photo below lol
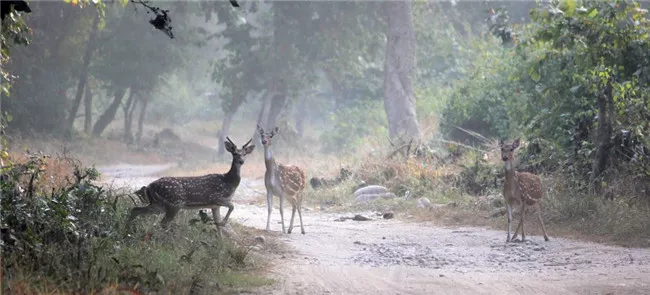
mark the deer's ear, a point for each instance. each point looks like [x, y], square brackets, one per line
[249, 149]
[231, 148]
[276, 130]
[501, 143]
[515, 144]
[260, 130]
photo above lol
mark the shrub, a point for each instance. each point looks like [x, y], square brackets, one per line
[72, 238]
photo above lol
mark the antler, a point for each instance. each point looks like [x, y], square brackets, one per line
[260, 130]
[228, 138]
[249, 141]
[275, 131]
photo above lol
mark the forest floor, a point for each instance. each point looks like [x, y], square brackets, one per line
[394, 256]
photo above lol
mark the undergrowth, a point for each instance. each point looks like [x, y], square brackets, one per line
[468, 190]
[67, 234]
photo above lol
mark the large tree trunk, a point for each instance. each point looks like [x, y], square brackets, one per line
[128, 109]
[337, 87]
[143, 110]
[603, 138]
[301, 114]
[83, 77]
[276, 93]
[88, 111]
[107, 117]
[399, 69]
[225, 126]
[261, 118]
[278, 101]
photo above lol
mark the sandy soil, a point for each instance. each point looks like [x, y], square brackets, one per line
[395, 257]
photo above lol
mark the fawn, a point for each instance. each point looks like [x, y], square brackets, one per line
[520, 188]
[170, 194]
[284, 181]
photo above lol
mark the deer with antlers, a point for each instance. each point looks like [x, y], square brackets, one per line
[520, 188]
[284, 181]
[171, 194]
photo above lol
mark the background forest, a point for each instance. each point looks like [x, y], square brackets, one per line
[411, 95]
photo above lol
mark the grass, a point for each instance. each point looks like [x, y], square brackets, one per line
[71, 236]
[566, 212]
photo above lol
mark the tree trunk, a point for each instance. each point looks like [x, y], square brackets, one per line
[88, 111]
[128, 117]
[278, 102]
[83, 77]
[225, 128]
[603, 139]
[143, 111]
[301, 113]
[399, 69]
[230, 111]
[107, 117]
[261, 118]
[337, 87]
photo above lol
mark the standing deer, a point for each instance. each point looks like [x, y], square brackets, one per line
[284, 181]
[520, 188]
[170, 194]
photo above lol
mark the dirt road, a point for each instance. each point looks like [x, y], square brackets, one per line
[394, 257]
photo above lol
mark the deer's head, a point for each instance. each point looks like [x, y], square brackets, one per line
[507, 150]
[266, 136]
[238, 155]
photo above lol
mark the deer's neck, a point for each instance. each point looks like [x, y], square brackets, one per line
[269, 161]
[233, 176]
[510, 178]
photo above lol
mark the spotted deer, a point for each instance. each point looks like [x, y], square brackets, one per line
[520, 188]
[284, 181]
[171, 194]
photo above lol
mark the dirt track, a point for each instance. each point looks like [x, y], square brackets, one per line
[395, 257]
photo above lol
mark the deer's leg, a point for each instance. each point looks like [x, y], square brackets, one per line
[282, 212]
[269, 205]
[514, 237]
[170, 213]
[216, 216]
[509, 206]
[293, 214]
[225, 219]
[302, 228]
[539, 216]
[521, 223]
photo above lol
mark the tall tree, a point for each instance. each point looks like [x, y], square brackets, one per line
[399, 71]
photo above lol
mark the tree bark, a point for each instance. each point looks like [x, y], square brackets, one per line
[337, 87]
[261, 118]
[225, 126]
[399, 69]
[88, 111]
[128, 117]
[603, 139]
[83, 77]
[108, 115]
[278, 101]
[143, 110]
[301, 113]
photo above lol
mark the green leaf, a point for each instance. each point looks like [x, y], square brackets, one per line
[568, 7]
[593, 13]
[124, 2]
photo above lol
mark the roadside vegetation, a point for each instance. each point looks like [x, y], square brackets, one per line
[96, 85]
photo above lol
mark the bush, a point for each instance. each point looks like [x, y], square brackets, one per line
[73, 238]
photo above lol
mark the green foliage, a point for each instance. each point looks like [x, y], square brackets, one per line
[74, 237]
[351, 125]
[487, 100]
[547, 86]
[571, 58]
